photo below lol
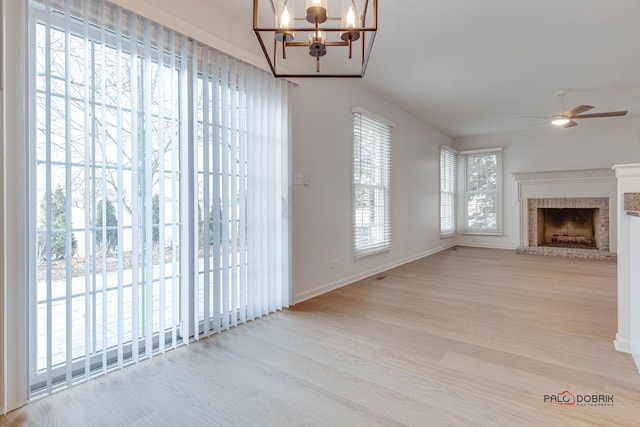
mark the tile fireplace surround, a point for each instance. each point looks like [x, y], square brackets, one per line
[590, 188]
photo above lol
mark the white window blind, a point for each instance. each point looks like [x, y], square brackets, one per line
[483, 191]
[448, 174]
[159, 175]
[371, 184]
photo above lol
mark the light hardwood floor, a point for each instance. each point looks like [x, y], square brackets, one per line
[464, 337]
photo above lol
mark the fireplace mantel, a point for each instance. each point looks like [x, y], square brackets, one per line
[567, 176]
[570, 175]
[572, 186]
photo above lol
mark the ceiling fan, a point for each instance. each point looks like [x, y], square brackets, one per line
[569, 117]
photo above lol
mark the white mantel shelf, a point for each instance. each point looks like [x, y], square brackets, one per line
[567, 178]
[629, 170]
[564, 176]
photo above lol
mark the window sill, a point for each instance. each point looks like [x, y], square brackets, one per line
[371, 253]
[482, 233]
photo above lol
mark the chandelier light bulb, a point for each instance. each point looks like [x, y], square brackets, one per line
[349, 21]
[351, 18]
[285, 19]
[284, 34]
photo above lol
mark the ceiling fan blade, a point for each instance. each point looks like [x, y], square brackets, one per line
[595, 115]
[570, 124]
[577, 110]
[531, 117]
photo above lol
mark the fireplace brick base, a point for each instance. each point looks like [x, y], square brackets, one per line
[592, 254]
[602, 229]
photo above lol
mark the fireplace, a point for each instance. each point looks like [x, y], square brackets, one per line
[574, 227]
[566, 213]
[568, 227]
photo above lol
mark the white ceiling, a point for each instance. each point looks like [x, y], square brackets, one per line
[468, 66]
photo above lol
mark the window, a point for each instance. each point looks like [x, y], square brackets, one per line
[483, 191]
[159, 177]
[448, 163]
[371, 184]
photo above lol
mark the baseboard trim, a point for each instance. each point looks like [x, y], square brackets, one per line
[498, 246]
[622, 345]
[363, 275]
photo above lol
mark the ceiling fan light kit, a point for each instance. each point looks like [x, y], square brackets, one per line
[295, 34]
[560, 120]
[567, 119]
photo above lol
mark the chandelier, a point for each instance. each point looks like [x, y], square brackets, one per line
[316, 38]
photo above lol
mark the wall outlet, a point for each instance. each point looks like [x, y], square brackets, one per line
[334, 264]
[298, 178]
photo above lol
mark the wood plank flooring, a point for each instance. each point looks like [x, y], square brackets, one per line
[464, 337]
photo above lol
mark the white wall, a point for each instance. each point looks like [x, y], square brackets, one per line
[321, 125]
[322, 140]
[597, 143]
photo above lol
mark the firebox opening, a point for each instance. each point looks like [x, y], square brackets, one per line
[568, 227]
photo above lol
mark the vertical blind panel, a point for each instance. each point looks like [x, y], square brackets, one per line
[448, 174]
[159, 219]
[251, 197]
[100, 191]
[242, 194]
[69, 241]
[147, 230]
[194, 296]
[135, 198]
[87, 151]
[224, 187]
[216, 200]
[186, 146]
[174, 178]
[371, 185]
[48, 220]
[233, 177]
[161, 191]
[205, 182]
[119, 232]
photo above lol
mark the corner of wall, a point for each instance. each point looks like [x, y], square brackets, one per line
[323, 289]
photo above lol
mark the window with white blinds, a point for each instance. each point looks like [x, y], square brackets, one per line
[371, 185]
[159, 175]
[448, 174]
[483, 191]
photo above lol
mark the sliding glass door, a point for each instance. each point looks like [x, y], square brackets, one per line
[158, 186]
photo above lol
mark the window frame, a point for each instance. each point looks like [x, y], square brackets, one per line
[383, 244]
[465, 192]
